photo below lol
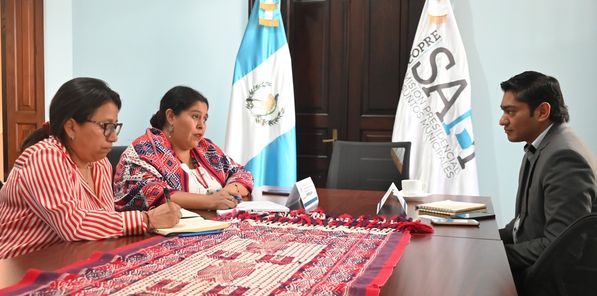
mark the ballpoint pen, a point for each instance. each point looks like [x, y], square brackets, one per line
[167, 194]
[238, 198]
[202, 233]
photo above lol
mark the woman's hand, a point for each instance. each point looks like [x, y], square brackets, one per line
[236, 189]
[164, 216]
[222, 200]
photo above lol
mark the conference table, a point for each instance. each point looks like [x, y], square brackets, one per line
[454, 260]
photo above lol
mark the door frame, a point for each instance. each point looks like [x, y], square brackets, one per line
[22, 91]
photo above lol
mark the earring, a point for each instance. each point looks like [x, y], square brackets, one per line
[170, 130]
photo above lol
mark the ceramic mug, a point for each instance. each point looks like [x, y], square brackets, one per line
[412, 187]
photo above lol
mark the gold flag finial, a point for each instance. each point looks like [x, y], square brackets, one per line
[438, 11]
[268, 13]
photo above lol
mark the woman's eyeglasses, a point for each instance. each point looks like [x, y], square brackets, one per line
[108, 127]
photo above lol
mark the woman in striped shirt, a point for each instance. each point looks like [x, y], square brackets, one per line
[60, 188]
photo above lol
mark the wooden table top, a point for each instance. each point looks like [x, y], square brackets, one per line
[443, 265]
[357, 202]
[454, 260]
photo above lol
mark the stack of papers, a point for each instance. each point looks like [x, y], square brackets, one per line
[259, 206]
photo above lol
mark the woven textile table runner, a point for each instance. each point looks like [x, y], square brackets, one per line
[291, 254]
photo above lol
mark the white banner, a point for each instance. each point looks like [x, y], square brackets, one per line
[434, 111]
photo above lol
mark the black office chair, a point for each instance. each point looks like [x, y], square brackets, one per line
[568, 266]
[368, 165]
[114, 156]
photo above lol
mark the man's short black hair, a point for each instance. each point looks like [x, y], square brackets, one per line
[535, 88]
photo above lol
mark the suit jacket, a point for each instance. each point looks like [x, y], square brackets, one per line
[561, 189]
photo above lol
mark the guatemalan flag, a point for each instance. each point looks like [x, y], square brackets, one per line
[434, 111]
[261, 131]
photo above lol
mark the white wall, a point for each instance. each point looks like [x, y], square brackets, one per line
[506, 37]
[144, 47]
[58, 46]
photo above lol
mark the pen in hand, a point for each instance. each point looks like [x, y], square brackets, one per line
[167, 197]
[237, 198]
[167, 194]
[165, 215]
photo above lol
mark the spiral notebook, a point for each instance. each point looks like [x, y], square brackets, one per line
[450, 207]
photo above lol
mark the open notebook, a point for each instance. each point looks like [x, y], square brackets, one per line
[190, 223]
[450, 207]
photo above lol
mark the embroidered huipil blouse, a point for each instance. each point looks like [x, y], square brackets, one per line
[149, 165]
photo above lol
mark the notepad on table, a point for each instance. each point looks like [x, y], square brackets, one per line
[450, 207]
[190, 225]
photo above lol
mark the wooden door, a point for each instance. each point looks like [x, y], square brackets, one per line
[23, 74]
[349, 59]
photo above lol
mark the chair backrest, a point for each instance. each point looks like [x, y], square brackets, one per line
[368, 165]
[568, 266]
[114, 156]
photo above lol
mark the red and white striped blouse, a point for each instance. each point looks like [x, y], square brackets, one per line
[46, 200]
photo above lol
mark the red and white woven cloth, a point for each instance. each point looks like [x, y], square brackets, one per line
[290, 254]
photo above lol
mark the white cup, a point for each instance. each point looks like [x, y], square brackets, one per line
[412, 187]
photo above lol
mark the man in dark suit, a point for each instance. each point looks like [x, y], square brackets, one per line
[557, 177]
